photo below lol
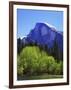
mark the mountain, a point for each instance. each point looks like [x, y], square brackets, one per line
[46, 35]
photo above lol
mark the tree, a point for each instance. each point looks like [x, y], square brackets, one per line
[19, 45]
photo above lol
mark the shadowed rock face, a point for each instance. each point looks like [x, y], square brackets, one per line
[46, 35]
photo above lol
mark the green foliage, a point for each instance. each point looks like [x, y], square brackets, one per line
[20, 67]
[33, 61]
[59, 68]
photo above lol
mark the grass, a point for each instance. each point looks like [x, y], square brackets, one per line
[36, 77]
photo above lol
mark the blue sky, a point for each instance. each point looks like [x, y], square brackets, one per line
[27, 18]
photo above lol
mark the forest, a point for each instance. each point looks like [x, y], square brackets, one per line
[38, 62]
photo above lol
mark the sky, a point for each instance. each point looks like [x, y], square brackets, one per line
[27, 19]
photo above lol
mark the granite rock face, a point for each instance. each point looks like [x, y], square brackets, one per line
[45, 34]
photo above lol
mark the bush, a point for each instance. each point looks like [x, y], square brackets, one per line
[20, 67]
[59, 68]
[33, 61]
